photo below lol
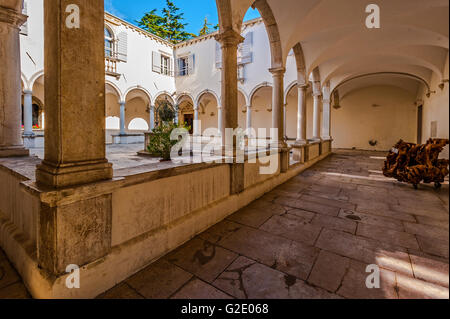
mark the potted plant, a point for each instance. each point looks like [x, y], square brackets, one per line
[160, 143]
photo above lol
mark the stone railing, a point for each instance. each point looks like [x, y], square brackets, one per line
[111, 67]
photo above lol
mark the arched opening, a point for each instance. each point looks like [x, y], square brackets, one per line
[112, 112]
[208, 111]
[164, 109]
[186, 112]
[137, 110]
[261, 101]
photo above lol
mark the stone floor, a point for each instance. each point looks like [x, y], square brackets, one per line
[312, 237]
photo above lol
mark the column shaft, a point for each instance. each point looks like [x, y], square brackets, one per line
[326, 120]
[74, 94]
[196, 119]
[316, 117]
[10, 88]
[122, 117]
[278, 104]
[229, 41]
[249, 117]
[152, 118]
[28, 113]
[301, 115]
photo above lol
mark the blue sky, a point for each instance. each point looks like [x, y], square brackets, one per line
[195, 11]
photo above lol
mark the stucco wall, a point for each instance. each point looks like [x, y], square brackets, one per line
[435, 109]
[380, 113]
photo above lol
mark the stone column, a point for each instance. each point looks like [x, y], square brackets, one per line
[10, 88]
[74, 94]
[326, 119]
[152, 118]
[249, 116]
[176, 120]
[278, 116]
[196, 119]
[285, 121]
[229, 40]
[302, 116]
[28, 113]
[316, 116]
[220, 120]
[122, 117]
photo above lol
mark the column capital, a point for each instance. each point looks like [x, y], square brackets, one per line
[326, 101]
[122, 102]
[229, 38]
[317, 95]
[27, 92]
[303, 86]
[277, 71]
[12, 17]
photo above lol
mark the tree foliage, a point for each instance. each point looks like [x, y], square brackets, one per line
[169, 25]
[207, 28]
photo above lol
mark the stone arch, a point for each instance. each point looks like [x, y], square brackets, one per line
[34, 77]
[116, 89]
[166, 93]
[25, 82]
[277, 60]
[138, 88]
[256, 88]
[207, 91]
[288, 89]
[301, 65]
[246, 98]
[182, 95]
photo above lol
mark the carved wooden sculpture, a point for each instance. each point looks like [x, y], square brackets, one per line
[413, 163]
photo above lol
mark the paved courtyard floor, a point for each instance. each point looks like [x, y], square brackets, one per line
[312, 237]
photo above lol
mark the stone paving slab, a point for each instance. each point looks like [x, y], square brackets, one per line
[310, 238]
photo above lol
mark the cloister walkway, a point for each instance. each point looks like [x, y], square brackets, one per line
[312, 237]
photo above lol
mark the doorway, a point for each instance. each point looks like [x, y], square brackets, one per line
[189, 121]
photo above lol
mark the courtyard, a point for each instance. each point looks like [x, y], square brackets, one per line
[312, 238]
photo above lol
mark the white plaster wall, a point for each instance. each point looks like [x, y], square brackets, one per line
[358, 121]
[32, 46]
[435, 108]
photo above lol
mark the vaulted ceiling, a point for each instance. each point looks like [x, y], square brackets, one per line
[413, 38]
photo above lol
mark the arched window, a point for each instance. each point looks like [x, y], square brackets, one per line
[109, 43]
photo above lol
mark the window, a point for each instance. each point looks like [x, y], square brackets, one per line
[165, 65]
[183, 64]
[109, 43]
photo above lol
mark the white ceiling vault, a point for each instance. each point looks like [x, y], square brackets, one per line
[411, 44]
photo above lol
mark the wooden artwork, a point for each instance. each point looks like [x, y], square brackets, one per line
[414, 163]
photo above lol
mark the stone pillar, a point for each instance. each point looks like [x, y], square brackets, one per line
[74, 94]
[28, 113]
[152, 118]
[229, 40]
[326, 119]
[285, 121]
[302, 116]
[122, 117]
[196, 119]
[316, 116]
[176, 119]
[278, 116]
[10, 88]
[249, 116]
[220, 125]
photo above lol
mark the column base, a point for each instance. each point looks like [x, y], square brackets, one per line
[65, 175]
[14, 151]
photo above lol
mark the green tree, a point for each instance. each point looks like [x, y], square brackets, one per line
[169, 25]
[207, 28]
